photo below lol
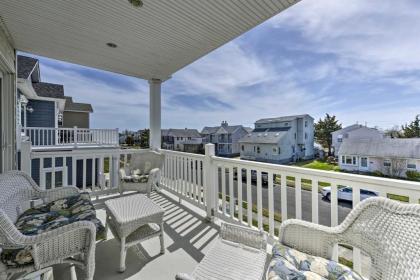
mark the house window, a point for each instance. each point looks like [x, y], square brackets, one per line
[387, 163]
[243, 148]
[306, 135]
[295, 135]
[258, 150]
[306, 123]
[411, 166]
[274, 150]
[254, 149]
[286, 124]
[278, 150]
[363, 162]
[349, 160]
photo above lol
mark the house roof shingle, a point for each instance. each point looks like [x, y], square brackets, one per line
[74, 106]
[263, 137]
[25, 65]
[49, 90]
[384, 148]
[282, 119]
[214, 129]
[193, 133]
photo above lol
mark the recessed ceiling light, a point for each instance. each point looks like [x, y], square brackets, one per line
[136, 3]
[111, 45]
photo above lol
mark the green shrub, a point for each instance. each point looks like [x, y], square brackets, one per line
[413, 175]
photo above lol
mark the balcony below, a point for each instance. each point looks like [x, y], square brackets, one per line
[51, 138]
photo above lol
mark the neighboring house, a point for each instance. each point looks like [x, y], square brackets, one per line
[76, 114]
[390, 156]
[280, 140]
[184, 140]
[225, 137]
[42, 109]
[354, 132]
[43, 104]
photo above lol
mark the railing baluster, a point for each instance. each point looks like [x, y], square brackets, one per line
[270, 203]
[357, 264]
[223, 174]
[283, 197]
[334, 216]
[199, 183]
[249, 196]
[298, 197]
[259, 200]
[194, 179]
[314, 196]
[239, 180]
[231, 194]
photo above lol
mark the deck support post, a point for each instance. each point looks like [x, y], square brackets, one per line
[155, 113]
[210, 190]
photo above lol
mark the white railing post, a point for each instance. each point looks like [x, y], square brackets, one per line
[114, 168]
[75, 136]
[210, 190]
[25, 157]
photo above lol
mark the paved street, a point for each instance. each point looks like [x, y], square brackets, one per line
[324, 206]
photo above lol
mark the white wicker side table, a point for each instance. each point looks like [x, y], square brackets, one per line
[133, 219]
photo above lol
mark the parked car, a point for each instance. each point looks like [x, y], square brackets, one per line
[346, 193]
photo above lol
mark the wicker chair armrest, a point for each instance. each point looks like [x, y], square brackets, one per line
[184, 276]
[308, 237]
[58, 193]
[154, 175]
[244, 235]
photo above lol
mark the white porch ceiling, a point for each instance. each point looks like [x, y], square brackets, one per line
[153, 41]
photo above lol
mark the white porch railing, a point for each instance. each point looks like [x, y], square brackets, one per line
[251, 193]
[74, 137]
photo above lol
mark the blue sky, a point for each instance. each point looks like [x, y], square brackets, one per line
[358, 59]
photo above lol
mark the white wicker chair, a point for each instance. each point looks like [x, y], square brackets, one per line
[239, 253]
[147, 164]
[48, 248]
[387, 231]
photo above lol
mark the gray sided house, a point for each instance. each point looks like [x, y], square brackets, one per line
[393, 157]
[280, 140]
[44, 106]
[225, 137]
[76, 114]
[354, 132]
[184, 140]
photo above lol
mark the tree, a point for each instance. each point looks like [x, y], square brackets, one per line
[144, 138]
[324, 128]
[129, 140]
[394, 132]
[412, 130]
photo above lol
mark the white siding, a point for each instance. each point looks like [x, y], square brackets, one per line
[7, 105]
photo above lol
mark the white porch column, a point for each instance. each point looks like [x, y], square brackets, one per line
[155, 114]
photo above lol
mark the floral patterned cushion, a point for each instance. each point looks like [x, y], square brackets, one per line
[290, 264]
[48, 217]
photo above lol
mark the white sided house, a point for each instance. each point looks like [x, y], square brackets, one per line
[354, 132]
[392, 157]
[184, 140]
[280, 140]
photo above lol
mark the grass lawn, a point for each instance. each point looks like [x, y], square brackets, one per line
[318, 164]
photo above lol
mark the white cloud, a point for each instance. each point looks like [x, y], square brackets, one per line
[375, 37]
[114, 106]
